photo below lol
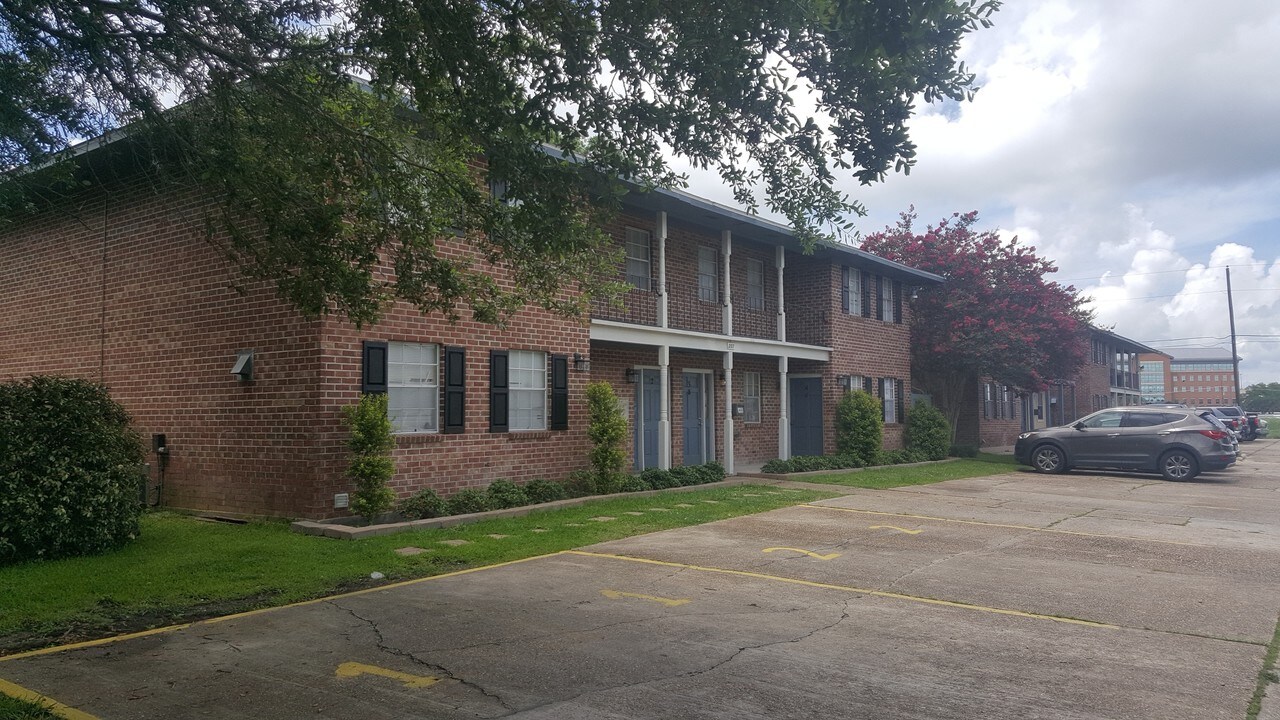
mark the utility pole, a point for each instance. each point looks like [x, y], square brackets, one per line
[1235, 360]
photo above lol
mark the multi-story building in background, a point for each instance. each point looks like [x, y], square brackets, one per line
[1154, 377]
[1201, 376]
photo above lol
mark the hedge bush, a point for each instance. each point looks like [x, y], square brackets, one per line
[69, 470]
[470, 500]
[859, 425]
[607, 430]
[581, 483]
[928, 432]
[423, 504]
[541, 491]
[659, 479]
[506, 494]
[634, 484]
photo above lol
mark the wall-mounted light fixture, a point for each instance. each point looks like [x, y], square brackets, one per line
[243, 369]
[631, 375]
[581, 362]
[915, 293]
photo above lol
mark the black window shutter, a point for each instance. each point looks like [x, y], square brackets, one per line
[559, 392]
[882, 286]
[455, 390]
[498, 396]
[902, 402]
[866, 386]
[897, 302]
[866, 294]
[844, 289]
[373, 375]
[880, 393]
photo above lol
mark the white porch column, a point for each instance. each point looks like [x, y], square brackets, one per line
[784, 411]
[662, 268]
[780, 262]
[726, 251]
[728, 411]
[664, 407]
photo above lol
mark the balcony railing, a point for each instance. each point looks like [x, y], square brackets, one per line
[687, 311]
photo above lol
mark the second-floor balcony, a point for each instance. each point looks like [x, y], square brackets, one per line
[687, 309]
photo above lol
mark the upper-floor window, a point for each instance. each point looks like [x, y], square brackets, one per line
[751, 397]
[413, 395]
[851, 295]
[708, 274]
[755, 284]
[888, 300]
[639, 263]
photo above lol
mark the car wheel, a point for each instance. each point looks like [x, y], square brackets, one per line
[1048, 459]
[1179, 465]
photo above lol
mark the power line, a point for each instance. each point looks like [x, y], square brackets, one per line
[1098, 276]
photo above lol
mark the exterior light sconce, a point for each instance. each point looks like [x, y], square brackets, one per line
[915, 293]
[243, 369]
[720, 377]
[581, 363]
[631, 375]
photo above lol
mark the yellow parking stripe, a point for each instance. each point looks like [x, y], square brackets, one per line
[48, 703]
[1002, 525]
[847, 588]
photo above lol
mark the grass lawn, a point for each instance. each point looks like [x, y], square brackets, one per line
[14, 709]
[182, 568]
[898, 476]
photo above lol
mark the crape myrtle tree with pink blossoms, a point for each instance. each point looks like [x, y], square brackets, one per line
[996, 316]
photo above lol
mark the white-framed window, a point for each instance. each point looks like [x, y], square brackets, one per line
[853, 290]
[751, 397]
[708, 274]
[527, 390]
[413, 387]
[639, 258]
[888, 392]
[755, 284]
[886, 300]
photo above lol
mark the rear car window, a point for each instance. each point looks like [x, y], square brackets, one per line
[1148, 419]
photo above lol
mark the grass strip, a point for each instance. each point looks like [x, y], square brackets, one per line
[182, 569]
[891, 476]
[1266, 676]
[15, 709]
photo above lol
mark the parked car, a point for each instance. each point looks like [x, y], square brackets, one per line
[1214, 421]
[1234, 418]
[1177, 443]
[1256, 425]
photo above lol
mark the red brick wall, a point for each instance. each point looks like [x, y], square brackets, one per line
[120, 286]
[158, 322]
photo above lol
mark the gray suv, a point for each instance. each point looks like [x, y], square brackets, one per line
[1178, 444]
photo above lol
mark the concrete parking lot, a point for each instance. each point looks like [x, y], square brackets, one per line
[1012, 596]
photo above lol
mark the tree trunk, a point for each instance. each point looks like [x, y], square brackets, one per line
[949, 393]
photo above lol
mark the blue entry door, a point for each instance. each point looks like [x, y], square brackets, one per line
[695, 418]
[649, 398]
[806, 416]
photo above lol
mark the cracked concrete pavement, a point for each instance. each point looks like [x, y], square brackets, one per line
[1013, 596]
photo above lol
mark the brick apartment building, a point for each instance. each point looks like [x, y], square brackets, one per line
[731, 345]
[1109, 378]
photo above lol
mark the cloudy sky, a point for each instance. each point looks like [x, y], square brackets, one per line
[1134, 143]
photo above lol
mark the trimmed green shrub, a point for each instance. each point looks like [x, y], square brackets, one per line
[684, 475]
[425, 503]
[634, 484]
[470, 500]
[859, 425]
[580, 483]
[928, 432]
[659, 479]
[610, 482]
[371, 465]
[506, 494]
[712, 472]
[541, 491]
[69, 470]
[964, 451]
[777, 465]
[607, 430]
